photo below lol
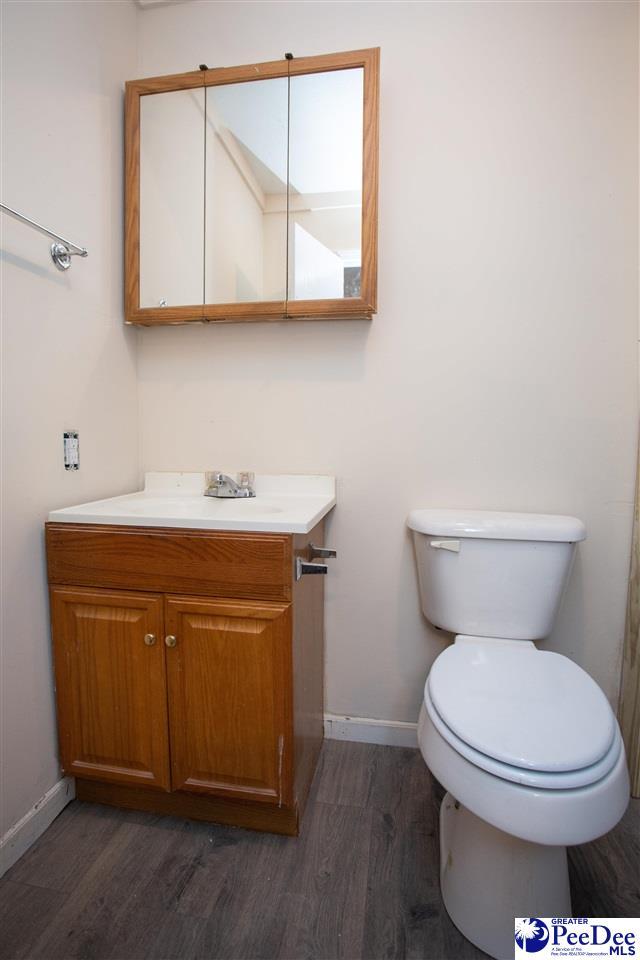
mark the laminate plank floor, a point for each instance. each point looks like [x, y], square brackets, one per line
[360, 883]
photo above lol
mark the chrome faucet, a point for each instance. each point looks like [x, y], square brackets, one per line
[220, 485]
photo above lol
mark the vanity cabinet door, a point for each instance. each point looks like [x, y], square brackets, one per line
[229, 680]
[111, 686]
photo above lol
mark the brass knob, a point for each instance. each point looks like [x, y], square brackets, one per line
[149, 639]
[171, 640]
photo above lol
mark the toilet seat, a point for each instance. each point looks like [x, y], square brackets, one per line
[555, 817]
[531, 717]
[567, 780]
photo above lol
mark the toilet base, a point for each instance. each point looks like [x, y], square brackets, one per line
[488, 878]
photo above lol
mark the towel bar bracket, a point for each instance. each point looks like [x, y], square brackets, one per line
[61, 255]
[61, 250]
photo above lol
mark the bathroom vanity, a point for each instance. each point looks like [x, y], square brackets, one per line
[188, 648]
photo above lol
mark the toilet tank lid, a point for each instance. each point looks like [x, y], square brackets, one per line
[492, 525]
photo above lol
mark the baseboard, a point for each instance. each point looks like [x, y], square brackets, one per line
[392, 733]
[26, 831]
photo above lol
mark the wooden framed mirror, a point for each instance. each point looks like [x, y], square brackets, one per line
[251, 192]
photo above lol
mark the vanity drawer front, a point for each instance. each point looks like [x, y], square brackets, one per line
[197, 562]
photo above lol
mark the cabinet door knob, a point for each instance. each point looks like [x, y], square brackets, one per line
[171, 640]
[149, 639]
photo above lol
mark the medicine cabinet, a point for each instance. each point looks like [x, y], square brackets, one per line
[251, 192]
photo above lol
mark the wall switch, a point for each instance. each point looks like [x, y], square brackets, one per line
[71, 450]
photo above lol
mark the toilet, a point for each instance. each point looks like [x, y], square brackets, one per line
[523, 740]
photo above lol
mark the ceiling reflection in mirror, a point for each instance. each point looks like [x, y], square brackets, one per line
[325, 185]
[246, 191]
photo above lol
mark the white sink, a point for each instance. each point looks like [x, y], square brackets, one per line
[283, 504]
[188, 507]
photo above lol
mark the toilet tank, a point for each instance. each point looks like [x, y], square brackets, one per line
[493, 574]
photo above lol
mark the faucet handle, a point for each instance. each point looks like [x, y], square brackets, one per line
[246, 479]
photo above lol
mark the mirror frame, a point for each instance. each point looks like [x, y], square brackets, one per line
[362, 307]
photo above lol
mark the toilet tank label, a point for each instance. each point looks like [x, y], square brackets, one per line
[576, 937]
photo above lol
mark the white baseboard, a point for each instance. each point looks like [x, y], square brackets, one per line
[26, 831]
[393, 733]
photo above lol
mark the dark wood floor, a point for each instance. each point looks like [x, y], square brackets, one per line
[360, 882]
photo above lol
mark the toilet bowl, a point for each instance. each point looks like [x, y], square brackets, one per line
[523, 740]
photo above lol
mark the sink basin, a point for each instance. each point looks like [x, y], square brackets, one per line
[283, 504]
[193, 507]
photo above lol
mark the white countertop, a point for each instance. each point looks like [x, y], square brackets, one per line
[283, 504]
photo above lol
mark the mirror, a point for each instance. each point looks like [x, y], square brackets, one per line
[325, 185]
[251, 191]
[171, 191]
[246, 187]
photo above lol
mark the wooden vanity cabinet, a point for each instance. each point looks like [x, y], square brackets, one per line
[201, 697]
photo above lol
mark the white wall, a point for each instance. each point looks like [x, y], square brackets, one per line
[501, 370]
[68, 361]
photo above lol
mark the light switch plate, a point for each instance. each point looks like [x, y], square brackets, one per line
[71, 450]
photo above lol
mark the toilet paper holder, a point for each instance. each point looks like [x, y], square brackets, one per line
[304, 567]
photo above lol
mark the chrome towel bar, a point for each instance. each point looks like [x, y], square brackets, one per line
[61, 251]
